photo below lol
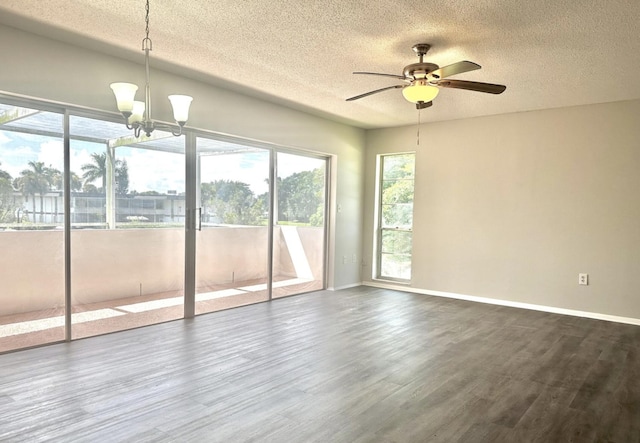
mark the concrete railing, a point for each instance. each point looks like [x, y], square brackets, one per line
[114, 264]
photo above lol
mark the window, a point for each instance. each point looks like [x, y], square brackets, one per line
[395, 216]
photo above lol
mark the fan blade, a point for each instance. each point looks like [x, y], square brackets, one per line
[472, 86]
[401, 77]
[374, 92]
[453, 69]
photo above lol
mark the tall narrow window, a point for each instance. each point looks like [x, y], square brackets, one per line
[395, 216]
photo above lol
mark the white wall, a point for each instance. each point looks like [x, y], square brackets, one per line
[56, 71]
[514, 206]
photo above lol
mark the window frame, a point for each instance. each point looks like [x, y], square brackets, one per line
[381, 229]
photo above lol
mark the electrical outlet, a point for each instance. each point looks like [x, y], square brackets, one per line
[583, 279]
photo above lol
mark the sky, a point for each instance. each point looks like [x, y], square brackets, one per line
[148, 170]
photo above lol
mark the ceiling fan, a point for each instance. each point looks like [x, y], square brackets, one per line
[422, 80]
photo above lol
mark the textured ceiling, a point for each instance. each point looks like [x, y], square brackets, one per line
[302, 53]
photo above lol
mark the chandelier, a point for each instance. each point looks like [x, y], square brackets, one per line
[137, 114]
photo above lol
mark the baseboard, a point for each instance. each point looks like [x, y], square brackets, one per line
[511, 304]
[338, 288]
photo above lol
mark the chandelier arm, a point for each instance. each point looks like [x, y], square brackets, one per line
[170, 128]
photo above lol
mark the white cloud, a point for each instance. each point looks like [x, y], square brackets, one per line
[251, 168]
[14, 160]
[154, 170]
[51, 153]
[289, 164]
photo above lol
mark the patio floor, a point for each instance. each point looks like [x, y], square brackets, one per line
[41, 327]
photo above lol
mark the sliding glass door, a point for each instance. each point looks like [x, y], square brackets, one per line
[101, 231]
[232, 234]
[32, 291]
[299, 225]
[127, 227]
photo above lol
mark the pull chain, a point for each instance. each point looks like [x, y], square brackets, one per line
[418, 133]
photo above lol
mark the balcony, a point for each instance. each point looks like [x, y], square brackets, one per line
[127, 278]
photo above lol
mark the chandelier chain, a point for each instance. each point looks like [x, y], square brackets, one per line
[146, 42]
[147, 18]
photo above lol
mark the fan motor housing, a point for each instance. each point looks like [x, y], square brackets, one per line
[419, 70]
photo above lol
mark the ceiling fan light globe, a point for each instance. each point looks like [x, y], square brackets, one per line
[420, 92]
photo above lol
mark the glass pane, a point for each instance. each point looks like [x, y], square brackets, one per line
[396, 211]
[232, 247]
[396, 242]
[397, 216]
[397, 191]
[127, 240]
[298, 237]
[395, 266]
[400, 166]
[31, 227]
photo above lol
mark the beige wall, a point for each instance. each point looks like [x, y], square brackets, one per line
[52, 70]
[514, 206]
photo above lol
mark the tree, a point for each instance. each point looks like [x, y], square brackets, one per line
[90, 188]
[58, 181]
[4, 174]
[122, 177]
[7, 205]
[36, 180]
[301, 197]
[97, 170]
[397, 191]
[231, 202]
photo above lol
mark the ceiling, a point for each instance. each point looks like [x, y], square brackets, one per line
[302, 53]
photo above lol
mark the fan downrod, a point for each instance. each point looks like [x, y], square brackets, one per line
[421, 49]
[422, 68]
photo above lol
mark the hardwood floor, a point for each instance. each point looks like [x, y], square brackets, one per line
[358, 365]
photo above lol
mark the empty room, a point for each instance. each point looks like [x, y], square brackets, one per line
[319, 221]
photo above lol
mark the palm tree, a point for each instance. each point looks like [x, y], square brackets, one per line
[7, 207]
[97, 170]
[36, 180]
[58, 181]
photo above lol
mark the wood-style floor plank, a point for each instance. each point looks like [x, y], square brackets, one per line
[358, 365]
